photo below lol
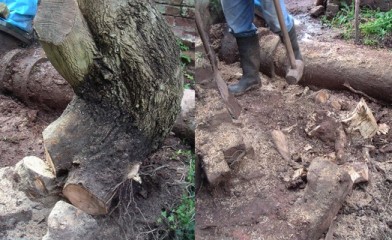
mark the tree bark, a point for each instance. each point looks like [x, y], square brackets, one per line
[122, 62]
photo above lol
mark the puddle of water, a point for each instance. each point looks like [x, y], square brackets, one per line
[307, 26]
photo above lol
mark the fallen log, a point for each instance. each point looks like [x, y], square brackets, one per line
[330, 65]
[122, 62]
[28, 75]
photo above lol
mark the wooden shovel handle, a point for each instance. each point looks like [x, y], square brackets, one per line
[285, 33]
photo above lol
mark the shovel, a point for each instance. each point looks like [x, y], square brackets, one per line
[297, 66]
[231, 103]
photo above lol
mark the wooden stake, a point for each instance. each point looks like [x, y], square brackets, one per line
[357, 2]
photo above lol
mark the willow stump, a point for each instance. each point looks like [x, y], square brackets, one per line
[122, 62]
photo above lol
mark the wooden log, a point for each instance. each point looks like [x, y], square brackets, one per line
[28, 75]
[122, 61]
[335, 66]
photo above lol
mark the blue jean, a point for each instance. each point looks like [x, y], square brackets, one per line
[239, 16]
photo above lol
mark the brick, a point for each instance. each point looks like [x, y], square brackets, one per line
[185, 23]
[170, 20]
[188, 12]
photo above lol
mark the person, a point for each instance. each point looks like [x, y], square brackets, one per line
[239, 16]
[21, 13]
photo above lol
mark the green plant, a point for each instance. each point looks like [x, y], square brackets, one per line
[378, 23]
[181, 220]
[189, 76]
[374, 25]
[182, 46]
[185, 58]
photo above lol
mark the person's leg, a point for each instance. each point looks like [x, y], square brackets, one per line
[267, 8]
[239, 16]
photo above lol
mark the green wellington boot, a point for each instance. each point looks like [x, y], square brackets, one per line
[249, 50]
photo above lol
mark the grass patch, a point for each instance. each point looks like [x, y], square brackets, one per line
[181, 220]
[374, 25]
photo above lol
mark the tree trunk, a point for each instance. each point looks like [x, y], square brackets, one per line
[122, 61]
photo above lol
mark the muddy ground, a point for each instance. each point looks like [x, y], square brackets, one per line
[255, 199]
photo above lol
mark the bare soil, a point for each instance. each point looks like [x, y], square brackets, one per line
[255, 199]
[21, 130]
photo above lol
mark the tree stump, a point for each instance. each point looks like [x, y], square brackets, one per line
[122, 62]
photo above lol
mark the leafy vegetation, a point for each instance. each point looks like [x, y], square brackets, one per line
[181, 220]
[185, 61]
[374, 25]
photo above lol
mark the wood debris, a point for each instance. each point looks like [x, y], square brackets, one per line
[281, 144]
[383, 129]
[363, 120]
[358, 171]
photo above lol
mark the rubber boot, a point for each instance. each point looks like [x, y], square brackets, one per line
[294, 43]
[249, 50]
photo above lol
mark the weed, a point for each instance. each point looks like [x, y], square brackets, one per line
[182, 46]
[379, 23]
[189, 76]
[181, 220]
[374, 25]
[185, 58]
[185, 61]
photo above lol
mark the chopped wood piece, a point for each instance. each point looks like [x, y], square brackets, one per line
[340, 143]
[363, 120]
[358, 171]
[281, 144]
